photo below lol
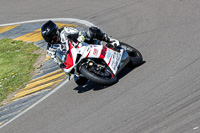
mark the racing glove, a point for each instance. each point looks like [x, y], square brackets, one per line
[80, 39]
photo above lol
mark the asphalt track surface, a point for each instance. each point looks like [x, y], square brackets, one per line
[161, 96]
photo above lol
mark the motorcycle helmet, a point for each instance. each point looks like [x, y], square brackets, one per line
[50, 32]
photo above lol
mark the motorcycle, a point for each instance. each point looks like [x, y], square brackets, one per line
[97, 63]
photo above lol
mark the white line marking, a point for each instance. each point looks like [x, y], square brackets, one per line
[36, 103]
[53, 19]
[89, 24]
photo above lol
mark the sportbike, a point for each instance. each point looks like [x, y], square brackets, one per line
[98, 63]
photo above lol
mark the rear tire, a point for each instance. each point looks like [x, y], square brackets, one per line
[92, 76]
[136, 58]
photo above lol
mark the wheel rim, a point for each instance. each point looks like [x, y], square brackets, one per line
[102, 73]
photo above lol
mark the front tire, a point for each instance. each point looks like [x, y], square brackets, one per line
[92, 76]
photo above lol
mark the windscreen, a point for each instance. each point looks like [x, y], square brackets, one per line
[61, 55]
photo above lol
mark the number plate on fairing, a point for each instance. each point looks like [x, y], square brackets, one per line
[115, 61]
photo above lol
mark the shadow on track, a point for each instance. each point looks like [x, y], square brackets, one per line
[89, 86]
[96, 87]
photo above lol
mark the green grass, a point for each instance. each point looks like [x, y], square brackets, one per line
[16, 64]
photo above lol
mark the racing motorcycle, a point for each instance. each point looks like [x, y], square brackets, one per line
[98, 63]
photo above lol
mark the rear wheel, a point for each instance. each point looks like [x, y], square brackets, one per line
[99, 74]
[135, 56]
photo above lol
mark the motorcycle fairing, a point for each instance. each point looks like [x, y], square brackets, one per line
[115, 60]
[111, 57]
[70, 58]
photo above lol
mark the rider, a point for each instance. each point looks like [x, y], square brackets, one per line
[54, 37]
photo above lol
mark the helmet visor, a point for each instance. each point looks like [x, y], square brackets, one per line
[55, 39]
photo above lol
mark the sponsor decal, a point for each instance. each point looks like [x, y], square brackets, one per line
[88, 49]
[88, 54]
[109, 61]
[108, 54]
[116, 59]
[95, 52]
[103, 52]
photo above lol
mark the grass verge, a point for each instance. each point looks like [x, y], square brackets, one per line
[16, 64]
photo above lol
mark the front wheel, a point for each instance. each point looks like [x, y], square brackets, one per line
[100, 76]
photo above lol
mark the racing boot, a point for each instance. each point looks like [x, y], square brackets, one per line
[80, 80]
[112, 43]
